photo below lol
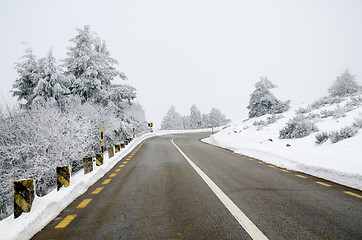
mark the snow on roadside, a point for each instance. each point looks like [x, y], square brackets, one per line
[46, 208]
[338, 162]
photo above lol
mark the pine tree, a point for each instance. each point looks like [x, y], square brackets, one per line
[89, 65]
[52, 84]
[24, 85]
[194, 118]
[216, 118]
[262, 101]
[172, 120]
[344, 85]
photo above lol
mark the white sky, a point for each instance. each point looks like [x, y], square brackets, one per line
[203, 52]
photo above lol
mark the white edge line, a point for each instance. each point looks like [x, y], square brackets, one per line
[243, 220]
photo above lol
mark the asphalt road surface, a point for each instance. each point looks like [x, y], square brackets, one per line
[206, 193]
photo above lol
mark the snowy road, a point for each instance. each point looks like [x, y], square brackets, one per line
[157, 194]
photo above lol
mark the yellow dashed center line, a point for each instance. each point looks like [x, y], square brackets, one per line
[128, 159]
[301, 176]
[353, 194]
[113, 175]
[125, 162]
[283, 170]
[121, 165]
[260, 162]
[84, 203]
[97, 190]
[251, 159]
[117, 170]
[65, 221]
[271, 166]
[106, 181]
[324, 184]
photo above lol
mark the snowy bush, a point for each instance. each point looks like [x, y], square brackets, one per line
[344, 133]
[358, 122]
[297, 127]
[329, 100]
[321, 137]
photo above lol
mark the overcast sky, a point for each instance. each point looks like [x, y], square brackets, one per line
[208, 53]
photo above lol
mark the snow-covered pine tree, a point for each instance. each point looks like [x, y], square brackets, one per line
[89, 65]
[24, 85]
[344, 85]
[172, 120]
[52, 84]
[194, 118]
[216, 118]
[262, 101]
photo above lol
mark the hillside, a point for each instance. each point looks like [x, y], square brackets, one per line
[337, 121]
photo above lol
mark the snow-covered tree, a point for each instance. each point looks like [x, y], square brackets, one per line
[51, 84]
[172, 120]
[194, 118]
[344, 85]
[89, 65]
[24, 85]
[216, 118]
[262, 101]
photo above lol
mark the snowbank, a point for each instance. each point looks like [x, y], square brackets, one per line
[339, 162]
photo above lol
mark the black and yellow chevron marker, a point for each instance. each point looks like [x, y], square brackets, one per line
[23, 196]
[125, 142]
[99, 159]
[102, 150]
[63, 177]
[110, 152]
[117, 148]
[150, 124]
[87, 164]
[122, 145]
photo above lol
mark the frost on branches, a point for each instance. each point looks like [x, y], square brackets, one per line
[262, 101]
[62, 109]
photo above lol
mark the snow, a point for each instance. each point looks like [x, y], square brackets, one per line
[339, 162]
[45, 209]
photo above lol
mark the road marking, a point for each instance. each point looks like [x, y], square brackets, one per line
[113, 175]
[271, 166]
[243, 220]
[283, 170]
[84, 203]
[106, 181]
[301, 176]
[65, 221]
[125, 162]
[260, 162]
[353, 194]
[121, 165]
[324, 184]
[117, 170]
[97, 190]
[128, 159]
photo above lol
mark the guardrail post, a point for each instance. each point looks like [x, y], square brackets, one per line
[117, 148]
[23, 196]
[110, 152]
[63, 177]
[125, 142]
[87, 164]
[99, 159]
[122, 145]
